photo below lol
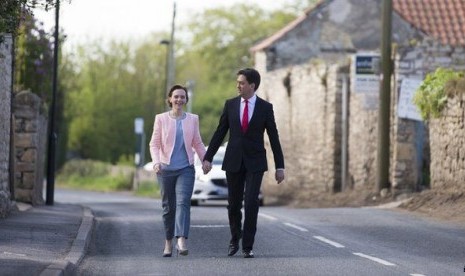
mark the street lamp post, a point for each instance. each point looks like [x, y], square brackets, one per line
[52, 138]
[167, 64]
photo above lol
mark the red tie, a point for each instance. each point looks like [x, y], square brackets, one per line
[245, 117]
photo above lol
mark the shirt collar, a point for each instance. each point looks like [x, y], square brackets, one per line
[252, 100]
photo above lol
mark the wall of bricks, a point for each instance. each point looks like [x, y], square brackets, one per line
[30, 140]
[5, 121]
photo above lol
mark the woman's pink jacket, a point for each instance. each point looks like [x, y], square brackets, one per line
[164, 135]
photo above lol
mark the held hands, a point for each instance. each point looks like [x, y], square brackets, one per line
[279, 176]
[206, 166]
[157, 168]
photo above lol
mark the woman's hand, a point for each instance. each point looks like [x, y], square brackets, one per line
[157, 168]
[206, 167]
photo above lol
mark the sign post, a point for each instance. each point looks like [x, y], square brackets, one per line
[140, 148]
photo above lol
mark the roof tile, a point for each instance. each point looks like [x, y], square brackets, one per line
[441, 19]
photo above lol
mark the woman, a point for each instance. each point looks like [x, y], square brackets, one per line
[175, 137]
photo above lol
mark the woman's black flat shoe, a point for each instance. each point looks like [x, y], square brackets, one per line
[167, 254]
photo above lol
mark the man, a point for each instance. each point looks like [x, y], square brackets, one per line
[246, 117]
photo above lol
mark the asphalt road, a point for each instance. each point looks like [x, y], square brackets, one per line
[128, 240]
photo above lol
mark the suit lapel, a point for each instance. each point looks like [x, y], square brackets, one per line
[236, 112]
[256, 111]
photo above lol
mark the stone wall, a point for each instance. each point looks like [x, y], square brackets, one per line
[5, 123]
[363, 137]
[30, 140]
[306, 102]
[411, 149]
[448, 145]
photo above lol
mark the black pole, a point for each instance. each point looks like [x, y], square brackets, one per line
[382, 178]
[52, 138]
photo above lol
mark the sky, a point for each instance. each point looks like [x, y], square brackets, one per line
[87, 20]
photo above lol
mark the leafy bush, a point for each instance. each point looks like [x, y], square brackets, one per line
[95, 175]
[84, 168]
[431, 97]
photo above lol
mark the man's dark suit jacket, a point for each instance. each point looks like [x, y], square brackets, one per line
[246, 147]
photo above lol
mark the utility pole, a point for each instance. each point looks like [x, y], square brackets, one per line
[382, 177]
[52, 137]
[167, 69]
[171, 60]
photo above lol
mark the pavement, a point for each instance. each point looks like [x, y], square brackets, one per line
[44, 240]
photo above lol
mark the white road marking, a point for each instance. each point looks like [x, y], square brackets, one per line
[416, 274]
[378, 260]
[14, 254]
[296, 227]
[333, 243]
[267, 216]
[210, 226]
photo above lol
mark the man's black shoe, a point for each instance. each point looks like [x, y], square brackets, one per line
[233, 248]
[248, 254]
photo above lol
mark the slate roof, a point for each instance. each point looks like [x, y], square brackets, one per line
[443, 20]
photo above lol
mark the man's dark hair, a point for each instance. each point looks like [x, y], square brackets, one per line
[251, 75]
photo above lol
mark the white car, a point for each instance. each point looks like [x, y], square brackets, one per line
[212, 186]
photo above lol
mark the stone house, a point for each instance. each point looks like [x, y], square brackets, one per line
[327, 111]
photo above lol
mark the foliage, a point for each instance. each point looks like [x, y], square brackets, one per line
[113, 87]
[430, 98]
[34, 58]
[11, 11]
[94, 175]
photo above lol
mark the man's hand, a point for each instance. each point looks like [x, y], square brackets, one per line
[279, 176]
[206, 167]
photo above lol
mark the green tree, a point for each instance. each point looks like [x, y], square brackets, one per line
[116, 84]
[34, 58]
[12, 10]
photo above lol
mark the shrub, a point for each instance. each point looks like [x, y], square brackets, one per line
[430, 98]
[95, 175]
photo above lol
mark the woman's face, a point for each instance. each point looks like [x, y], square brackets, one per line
[178, 99]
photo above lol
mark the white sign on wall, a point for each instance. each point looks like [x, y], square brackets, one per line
[365, 78]
[365, 73]
[406, 108]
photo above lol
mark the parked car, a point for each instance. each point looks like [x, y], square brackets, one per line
[148, 166]
[212, 186]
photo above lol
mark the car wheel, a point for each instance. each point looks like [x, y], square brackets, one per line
[194, 203]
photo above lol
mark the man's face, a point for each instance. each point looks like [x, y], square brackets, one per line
[244, 89]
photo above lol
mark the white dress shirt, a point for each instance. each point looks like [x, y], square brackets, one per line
[251, 105]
